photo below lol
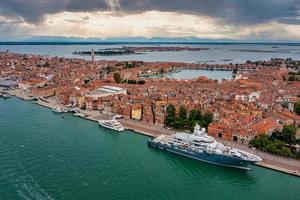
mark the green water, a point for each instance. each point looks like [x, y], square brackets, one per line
[50, 156]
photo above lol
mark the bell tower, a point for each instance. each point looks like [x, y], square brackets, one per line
[93, 56]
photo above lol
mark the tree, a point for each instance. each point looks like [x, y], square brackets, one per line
[289, 134]
[272, 148]
[208, 118]
[286, 151]
[182, 112]
[170, 118]
[195, 115]
[260, 142]
[117, 77]
[297, 108]
[179, 124]
[171, 110]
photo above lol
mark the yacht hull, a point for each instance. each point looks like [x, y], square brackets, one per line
[205, 157]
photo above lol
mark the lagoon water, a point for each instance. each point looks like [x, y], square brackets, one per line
[195, 73]
[51, 156]
[217, 53]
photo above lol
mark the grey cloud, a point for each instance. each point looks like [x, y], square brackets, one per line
[73, 20]
[230, 11]
[292, 21]
[85, 18]
[33, 10]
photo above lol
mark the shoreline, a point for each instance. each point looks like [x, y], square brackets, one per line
[278, 164]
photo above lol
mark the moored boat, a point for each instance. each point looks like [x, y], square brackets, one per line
[205, 148]
[80, 114]
[111, 124]
[58, 110]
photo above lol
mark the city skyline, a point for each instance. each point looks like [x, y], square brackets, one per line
[275, 20]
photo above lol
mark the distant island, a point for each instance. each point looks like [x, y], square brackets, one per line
[137, 50]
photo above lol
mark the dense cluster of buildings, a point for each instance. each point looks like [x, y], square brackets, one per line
[258, 100]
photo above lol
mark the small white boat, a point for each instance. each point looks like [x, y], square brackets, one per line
[58, 110]
[80, 114]
[111, 124]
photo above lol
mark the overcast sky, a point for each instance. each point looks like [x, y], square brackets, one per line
[232, 19]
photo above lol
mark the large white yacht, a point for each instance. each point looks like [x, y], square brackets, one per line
[111, 124]
[202, 147]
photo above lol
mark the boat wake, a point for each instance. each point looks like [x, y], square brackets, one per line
[15, 174]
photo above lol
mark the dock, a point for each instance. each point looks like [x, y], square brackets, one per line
[279, 169]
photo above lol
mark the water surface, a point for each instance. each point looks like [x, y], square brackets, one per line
[195, 73]
[217, 53]
[51, 156]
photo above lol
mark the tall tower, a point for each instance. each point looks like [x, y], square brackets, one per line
[93, 56]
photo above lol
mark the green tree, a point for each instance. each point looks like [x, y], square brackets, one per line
[195, 115]
[289, 134]
[286, 151]
[182, 112]
[170, 118]
[297, 108]
[179, 124]
[260, 142]
[171, 110]
[208, 118]
[272, 148]
[117, 77]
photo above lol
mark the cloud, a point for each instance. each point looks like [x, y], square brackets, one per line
[85, 18]
[113, 5]
[235, 19]
[294, 21]
[33, 11]
[145, 24]
[231, 11]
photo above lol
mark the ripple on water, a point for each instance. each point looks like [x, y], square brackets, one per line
[46, 156]
[15, 174]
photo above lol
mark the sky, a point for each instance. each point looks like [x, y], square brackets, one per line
[274, 20]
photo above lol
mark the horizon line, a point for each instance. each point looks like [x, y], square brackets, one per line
[145, 42]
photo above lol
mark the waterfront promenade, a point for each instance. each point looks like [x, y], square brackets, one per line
[270, 161]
